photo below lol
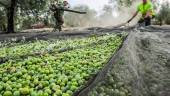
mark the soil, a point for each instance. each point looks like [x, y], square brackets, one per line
[46, 34]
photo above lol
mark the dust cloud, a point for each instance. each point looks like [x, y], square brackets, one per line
[124, 13]
[120, 15]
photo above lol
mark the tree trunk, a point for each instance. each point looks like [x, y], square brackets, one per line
[3, 28]
[10, 16]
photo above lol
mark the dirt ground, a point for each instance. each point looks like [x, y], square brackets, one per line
[46, 34]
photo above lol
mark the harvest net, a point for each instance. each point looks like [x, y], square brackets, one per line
[40, 68]
[140, 68]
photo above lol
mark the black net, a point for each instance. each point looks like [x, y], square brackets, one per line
[140, 68]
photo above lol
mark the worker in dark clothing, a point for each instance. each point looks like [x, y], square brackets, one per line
[59, 13]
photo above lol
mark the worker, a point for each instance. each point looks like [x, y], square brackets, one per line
[59, 13]
[147, 11]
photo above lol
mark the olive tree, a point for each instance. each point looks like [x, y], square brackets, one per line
[11, 7]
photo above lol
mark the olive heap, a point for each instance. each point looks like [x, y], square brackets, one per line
[53, 74]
